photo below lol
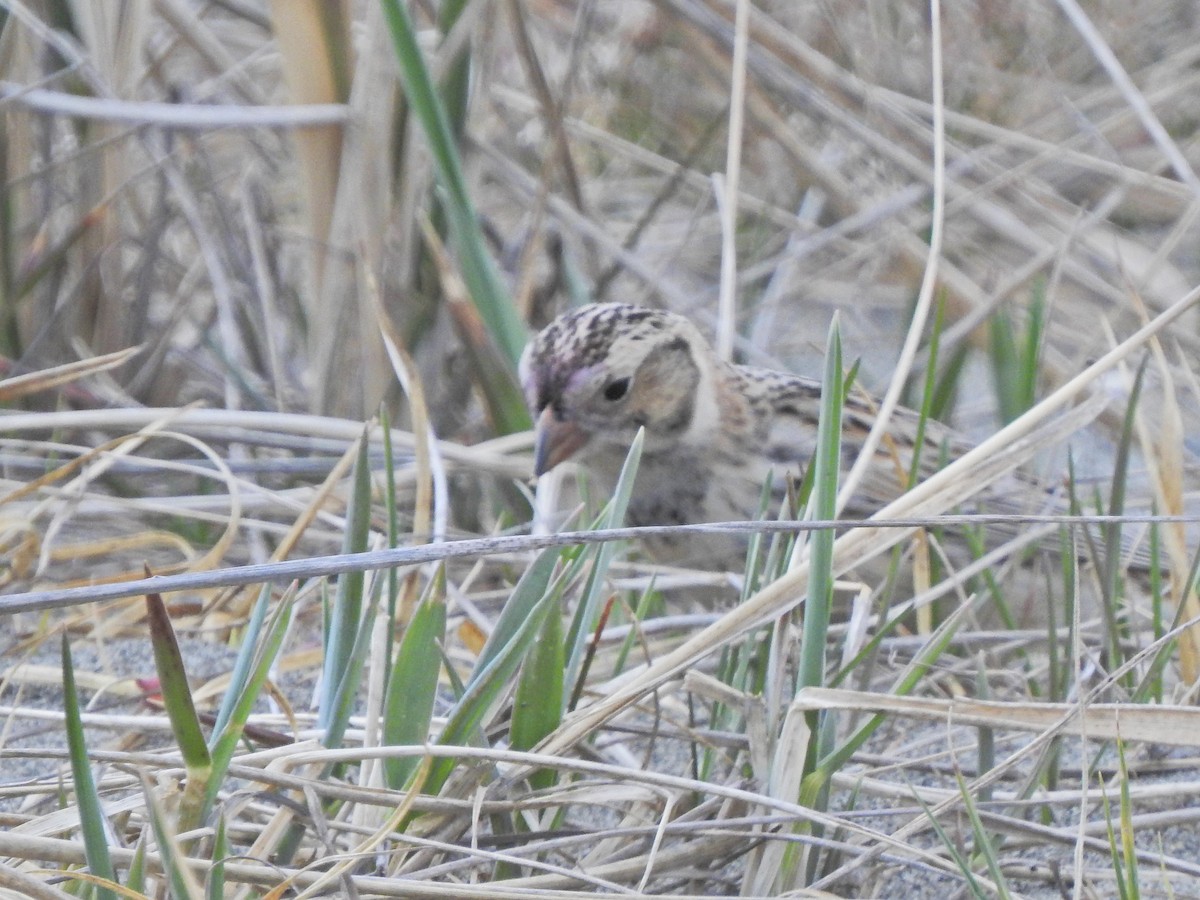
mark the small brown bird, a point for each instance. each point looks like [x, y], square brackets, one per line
[714, 431]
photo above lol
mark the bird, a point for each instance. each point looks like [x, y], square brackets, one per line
[714, 431]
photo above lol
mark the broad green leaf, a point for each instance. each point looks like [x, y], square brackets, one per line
[413, 682]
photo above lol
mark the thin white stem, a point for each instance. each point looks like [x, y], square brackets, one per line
[728, 187]
[185, 116]
[1134, 97]
[891, 399]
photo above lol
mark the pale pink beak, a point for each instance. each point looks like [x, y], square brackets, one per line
[556, 441]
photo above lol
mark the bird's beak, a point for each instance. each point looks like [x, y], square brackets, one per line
[556, 441]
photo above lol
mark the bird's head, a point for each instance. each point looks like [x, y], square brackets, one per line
[594, 376]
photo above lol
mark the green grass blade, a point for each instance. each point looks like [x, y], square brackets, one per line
[479, 272]
[532, 599]
[928, 395]
[176, 692]
[412, 684]
[393, 526]
[1128, 847]
[242, 665]
[456, 83]
[1005, 364]
[942, 402]
[91, 815]
[10, 327]
[926, 660]
[1015, 359]
[814, 639]
[135, 880]
[346, 614]
[826, 465]
[215, 888]
[528, 593]
[589, 607]
[183, 885]
[1115, 854]
[181, 710]
[1032, 350]
[1112, 583]
[351, 677]
[490, 369]
[640, 613]
[984, 844]
[225, 739]
[538, 706]
[953, 851]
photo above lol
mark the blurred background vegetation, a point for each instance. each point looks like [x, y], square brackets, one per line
[229, 185]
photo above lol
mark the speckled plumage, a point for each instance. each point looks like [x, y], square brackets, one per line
[714, 430]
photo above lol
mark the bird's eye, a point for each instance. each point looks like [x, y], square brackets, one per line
[615, 390]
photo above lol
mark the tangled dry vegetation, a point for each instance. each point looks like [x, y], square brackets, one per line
[234, 232]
